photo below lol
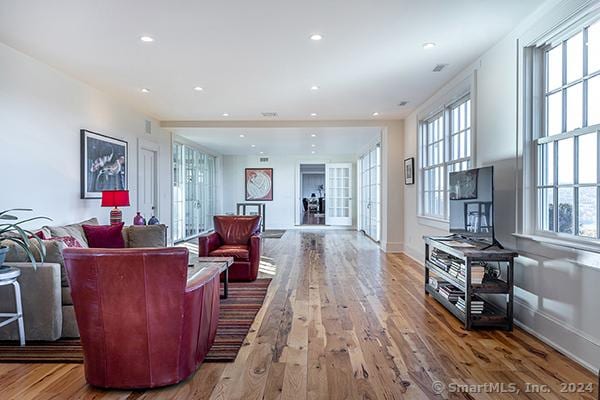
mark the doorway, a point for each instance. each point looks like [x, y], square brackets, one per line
[148, 179]
[312, 193]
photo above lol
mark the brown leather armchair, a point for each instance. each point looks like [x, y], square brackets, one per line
[236, 236]
[142, 324]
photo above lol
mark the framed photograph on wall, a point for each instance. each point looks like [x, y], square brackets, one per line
[409, 171]
[259, 184]
[103, 164]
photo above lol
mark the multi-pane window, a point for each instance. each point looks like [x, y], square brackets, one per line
[445, 146]
[567, 147]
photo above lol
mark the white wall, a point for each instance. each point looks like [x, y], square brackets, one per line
[556, 293]
[281, 212]
[41, 113]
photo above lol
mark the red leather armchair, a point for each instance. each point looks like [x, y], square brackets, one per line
[236, 236]
[142, 324]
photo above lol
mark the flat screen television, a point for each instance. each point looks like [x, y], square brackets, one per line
[471, 194]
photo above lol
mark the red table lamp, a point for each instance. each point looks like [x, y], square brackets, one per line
[115, 198]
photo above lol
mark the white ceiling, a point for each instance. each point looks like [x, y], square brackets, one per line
[297, 141]
[256, 56]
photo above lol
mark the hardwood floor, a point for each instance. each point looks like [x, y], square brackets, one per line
[342, 321]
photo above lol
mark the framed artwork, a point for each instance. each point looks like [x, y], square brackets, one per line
[103, 164]
[259, 184]
[409, 171]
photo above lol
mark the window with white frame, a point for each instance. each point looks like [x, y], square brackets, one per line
[445, 146]
[567, 178]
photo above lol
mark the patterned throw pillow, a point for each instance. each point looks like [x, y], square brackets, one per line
[69, 241]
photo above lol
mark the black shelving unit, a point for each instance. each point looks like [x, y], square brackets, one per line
[493, 316]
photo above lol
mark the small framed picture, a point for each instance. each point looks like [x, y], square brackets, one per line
[409, 171]
[259, 184]
[103, 164]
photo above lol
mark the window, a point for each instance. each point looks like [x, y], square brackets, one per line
[445, 146]
[567, 140]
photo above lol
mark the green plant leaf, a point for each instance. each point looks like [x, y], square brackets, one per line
[8, 216]
[14, 209]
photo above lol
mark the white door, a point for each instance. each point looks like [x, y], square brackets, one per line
[147, 183]
[338, 194]
[370, 191]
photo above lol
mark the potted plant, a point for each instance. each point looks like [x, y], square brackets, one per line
[12, 231]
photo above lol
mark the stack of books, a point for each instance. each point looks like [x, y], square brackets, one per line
[455, 268]
[477, 273]
[450, 292]
[477, 306]
[441, 259]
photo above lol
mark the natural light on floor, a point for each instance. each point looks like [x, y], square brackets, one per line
[267, 266]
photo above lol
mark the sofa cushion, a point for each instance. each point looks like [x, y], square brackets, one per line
[54, 250]
[105, 236]
[74, 230]
[237, 251]
[146, 236]
[65, 294]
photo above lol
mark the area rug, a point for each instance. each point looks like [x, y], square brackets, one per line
[273, 233]
[237, 314]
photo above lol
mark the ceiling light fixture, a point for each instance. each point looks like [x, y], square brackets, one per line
[252, 145]
[313, 145]
[429, 45]
[198, 88]
[313, 152]
[145, 90]
[314, 135]
[262, 152]
[313, 114]
[147, 39]
[242, 135]
[375, 114]
[316, 37]
[225, 114]
[314, 87]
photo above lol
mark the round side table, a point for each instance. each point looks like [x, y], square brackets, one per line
[8, 276]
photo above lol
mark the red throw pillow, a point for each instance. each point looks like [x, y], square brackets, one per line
[69, 241]
[104, 236]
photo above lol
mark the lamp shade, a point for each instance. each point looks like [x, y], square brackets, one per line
[115, 198]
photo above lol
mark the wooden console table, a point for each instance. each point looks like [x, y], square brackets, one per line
[492, 316]
[261, 209]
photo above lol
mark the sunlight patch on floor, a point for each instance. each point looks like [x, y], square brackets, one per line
[267, 267]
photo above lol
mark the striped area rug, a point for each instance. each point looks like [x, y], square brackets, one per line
[237, 314]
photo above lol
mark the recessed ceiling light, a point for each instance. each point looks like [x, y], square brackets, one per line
[313, 152]
[145, 90]
[242, 135]
[316, 37]
[375, 114]
[313, 145]
[314, 87]
[262, 152]
[313, 114]
[147, 39]
[198, 88]
[252, 145]
[429, 45]
[225, 114]
[314, 135]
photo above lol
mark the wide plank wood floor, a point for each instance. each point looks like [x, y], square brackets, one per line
[342, 320]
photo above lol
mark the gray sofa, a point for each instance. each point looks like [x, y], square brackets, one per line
[47, 305]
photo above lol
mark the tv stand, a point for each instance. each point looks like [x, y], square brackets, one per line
[478, 304]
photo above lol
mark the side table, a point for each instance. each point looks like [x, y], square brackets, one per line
[8, 276]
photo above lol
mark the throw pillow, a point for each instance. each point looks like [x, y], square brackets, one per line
[105, 236]
[74, 230]
[69, 241]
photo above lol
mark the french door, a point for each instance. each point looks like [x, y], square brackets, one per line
[338, 196]
[194, 192]
[370, 193]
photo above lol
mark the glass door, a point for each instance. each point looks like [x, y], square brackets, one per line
[194, 192]
[338, 200]
[370, 202]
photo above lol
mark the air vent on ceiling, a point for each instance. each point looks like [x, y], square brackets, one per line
[148, 127]
[269, 114]
[263, 159]
[439, 67]
[402, 103]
